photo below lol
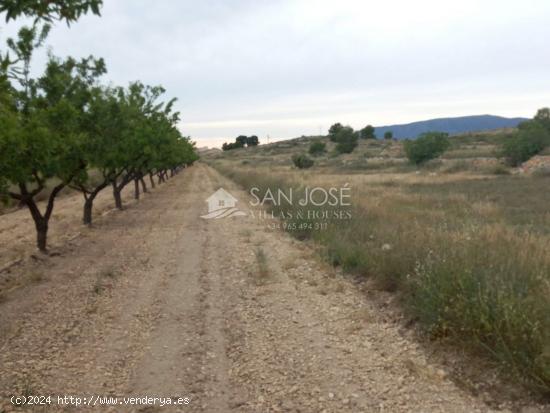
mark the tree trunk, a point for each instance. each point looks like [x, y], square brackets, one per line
[40, 223]
[136, 188]
[89, 202]
[152, 180]
[41, 234]
[116, 196]
[143, 186]
[87, 215]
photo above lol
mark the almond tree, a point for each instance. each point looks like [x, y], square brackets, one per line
[141, 106]
[38, 152]
[49, 10]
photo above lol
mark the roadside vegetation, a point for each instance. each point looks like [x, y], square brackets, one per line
[463, 240]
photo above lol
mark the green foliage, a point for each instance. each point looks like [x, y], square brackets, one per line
[68, 10]
[367, 132]
[388, 135]
[317, 148]
[58, 126]
[252, 141]
[229, 146]
[45, 116]
[543, 117]
[334, 130]
[240, 142]
[531, 138]
[302, 161]
[346, 140]
[427, 146]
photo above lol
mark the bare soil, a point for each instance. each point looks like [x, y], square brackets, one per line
[155, 301]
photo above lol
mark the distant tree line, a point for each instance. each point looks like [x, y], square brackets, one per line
[65, 128]
[240, 142]
[531, 138]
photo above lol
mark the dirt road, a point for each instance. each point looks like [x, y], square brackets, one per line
[155, 301]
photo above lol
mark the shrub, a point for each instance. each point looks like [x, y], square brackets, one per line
[302, 161]
[317, 148]
[368, 132]
[232, 145]
[388, 135]
[429, 145]
[333, 131]
[531, 139]
[346, 140]
[499, 170]
[240, 142]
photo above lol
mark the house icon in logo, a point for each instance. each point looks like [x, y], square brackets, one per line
[220, 199]
[221, 204]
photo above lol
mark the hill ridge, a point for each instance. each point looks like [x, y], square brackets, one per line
[451, 125]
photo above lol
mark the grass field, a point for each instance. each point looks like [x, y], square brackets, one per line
[464, 240]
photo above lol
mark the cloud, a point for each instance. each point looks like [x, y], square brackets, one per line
[286, 68]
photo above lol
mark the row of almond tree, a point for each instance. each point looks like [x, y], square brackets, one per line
[68, 128]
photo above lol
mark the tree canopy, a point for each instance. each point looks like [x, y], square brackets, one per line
[49, 10]
[241, 141]
[60, 126]
[531, 138]
[427, 146]
[367, 132]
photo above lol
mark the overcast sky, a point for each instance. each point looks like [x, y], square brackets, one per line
[291, 68]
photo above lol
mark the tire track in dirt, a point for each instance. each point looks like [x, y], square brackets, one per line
[215, 299]
[174, 354]
[187, 314]
[86, 340]
[307, 340]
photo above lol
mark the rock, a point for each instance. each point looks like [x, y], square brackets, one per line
[386, 247]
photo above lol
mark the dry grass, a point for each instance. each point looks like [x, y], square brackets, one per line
[263, 268]
[467, 251]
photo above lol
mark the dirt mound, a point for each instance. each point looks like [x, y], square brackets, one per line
[536, 163]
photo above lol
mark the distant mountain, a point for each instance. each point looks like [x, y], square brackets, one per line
[453, 126]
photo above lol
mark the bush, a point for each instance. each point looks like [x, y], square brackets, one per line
[388, 135]
[240, 142]
[499, 170]
[334, 130]
[346, 140]
[368, 132]
[427, 146]
[531, 139]
[317, 148]
[302, 161]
